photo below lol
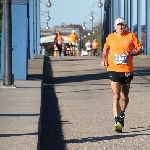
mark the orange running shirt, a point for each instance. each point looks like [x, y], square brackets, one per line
[59, 39]
[116, 60]
[72, 38]
[94, 45]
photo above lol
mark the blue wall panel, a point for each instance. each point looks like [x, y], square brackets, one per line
[19, 43]
[31, 29]
[115, 12]
[147, 27]
[139, 19]
[2, 49]
[131, 15]
[38, 27]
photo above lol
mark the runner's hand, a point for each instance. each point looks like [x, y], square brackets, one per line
[130, 53]
[104, 63]
[125, 53]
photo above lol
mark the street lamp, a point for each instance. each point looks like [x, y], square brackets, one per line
[48, 4]
[100, 4]
[87, 31]
[92, 18]
[84, 28]
[43, 14]
[47, 27]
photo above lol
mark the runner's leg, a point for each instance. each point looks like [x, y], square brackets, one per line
[73, 50]
[124, 96]
[116, 88]
[69, 53]
[124, 101]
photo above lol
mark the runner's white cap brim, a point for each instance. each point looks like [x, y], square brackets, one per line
[120, 21]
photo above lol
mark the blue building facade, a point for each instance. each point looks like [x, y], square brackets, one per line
[25, 37]
[136, 14]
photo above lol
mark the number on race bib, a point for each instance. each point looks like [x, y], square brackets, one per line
[120, 59]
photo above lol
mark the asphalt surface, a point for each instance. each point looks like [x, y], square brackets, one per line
[66, 104]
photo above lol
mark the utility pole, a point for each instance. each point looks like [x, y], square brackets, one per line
[8, 77]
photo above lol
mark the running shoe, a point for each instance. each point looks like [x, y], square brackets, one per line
[122, 116]
[118, 127]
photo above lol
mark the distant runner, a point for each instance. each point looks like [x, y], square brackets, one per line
[73, 40]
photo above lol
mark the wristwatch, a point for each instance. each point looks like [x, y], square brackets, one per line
[131, 53]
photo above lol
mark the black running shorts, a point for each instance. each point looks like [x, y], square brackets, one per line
[124, 78]
[72, 45]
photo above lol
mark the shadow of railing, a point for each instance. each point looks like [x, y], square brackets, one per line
[50, 128]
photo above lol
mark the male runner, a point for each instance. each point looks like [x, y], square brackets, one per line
[118, 52]
[73, 40]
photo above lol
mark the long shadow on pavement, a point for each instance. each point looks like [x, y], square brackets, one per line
[50, 128]
[81, 78]
[96, 139]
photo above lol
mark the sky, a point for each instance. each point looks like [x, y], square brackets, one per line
[70, 11]
[75, 11]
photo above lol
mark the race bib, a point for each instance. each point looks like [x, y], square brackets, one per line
[120, 59]
[73, 43]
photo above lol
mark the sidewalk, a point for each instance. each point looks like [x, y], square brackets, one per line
[20, 111]
[69, 108]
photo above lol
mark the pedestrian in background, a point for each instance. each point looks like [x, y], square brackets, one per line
[43, 52]
[94, 47]
[88, 46]
[59, 39]
[77, 52]
[68, 50]
[56, 51]
[118, 52]
[73, 40]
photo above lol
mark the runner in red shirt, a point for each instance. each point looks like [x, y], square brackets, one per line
[59, 39]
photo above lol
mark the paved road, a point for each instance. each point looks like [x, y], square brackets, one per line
[71, 108]
[84, 98]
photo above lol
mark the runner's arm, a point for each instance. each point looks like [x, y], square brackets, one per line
[104, 56]
[138, 46]
[136, 52]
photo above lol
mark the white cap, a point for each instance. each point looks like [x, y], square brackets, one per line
[120, 21]
[73, 31]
